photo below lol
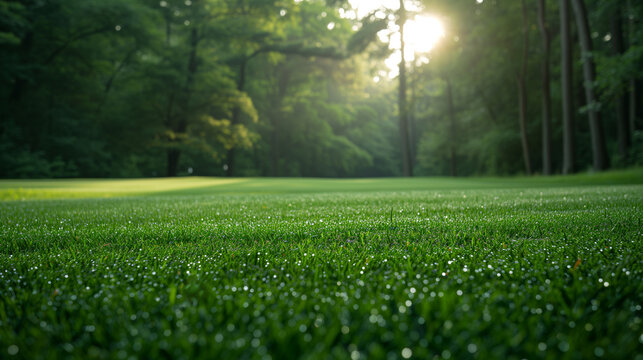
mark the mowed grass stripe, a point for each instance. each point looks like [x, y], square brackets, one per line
[88, 188]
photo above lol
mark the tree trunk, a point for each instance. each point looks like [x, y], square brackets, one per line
[546, 102]
[407, 165]
[274, 148]
[620, 102]
[522, 91]
[275, 139]
[632, 111]
[173, 162]
[19, 83]
[171, 157]
[180, 127]
[452, 130]
[411, 116]
[522, 104]
[567, 92]
[236, 119]
[599, 152]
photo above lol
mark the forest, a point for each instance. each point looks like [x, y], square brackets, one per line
[319, 88]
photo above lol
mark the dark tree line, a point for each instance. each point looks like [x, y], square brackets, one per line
[122, 88]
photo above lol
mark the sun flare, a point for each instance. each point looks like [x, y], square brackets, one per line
[422, 34]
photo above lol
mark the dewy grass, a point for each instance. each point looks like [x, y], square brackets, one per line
[421, 268]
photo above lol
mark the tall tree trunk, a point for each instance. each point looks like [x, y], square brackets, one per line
[546, 102]
[522, 91]
[599, 152]
[275, 139]
[620, 102]
[11, 107]
[236, 119]
[174, 154]
[19, 83]
[411, 116]
[274, 148]
[567, 89]
[407, 165]
[173, 162]
[522, 105]
[452, 130]
[171, 157]
[632, 111]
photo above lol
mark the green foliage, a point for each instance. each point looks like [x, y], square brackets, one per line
[367, 34]
[123, 88]
[12, 23]
[111, 88]
[615, 69]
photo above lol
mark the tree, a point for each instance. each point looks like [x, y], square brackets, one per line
[299, 88]
[452, 128]
[56, 77]
[197, 92]
[618, 69]
[546, 95]
[522, 90]
[620, 100]
[261, 41]
[304, 84]
[634, 33]
[599, 152]
[566, 84]
[407, 164]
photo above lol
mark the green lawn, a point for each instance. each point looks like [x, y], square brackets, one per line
[484, 268]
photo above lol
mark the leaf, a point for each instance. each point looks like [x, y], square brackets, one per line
[577, 264]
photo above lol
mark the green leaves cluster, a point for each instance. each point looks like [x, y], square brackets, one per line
[122, 88]
[149, 88]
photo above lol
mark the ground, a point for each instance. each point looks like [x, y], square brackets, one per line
[292, 268]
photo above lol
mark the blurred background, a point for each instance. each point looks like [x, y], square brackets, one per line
[319, 88]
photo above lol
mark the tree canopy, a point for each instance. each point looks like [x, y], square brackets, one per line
[131, 88]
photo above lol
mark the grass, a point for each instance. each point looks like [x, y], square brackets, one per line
[102, 188]
[538, 268]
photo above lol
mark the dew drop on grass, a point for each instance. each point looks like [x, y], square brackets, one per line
[355, 355]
